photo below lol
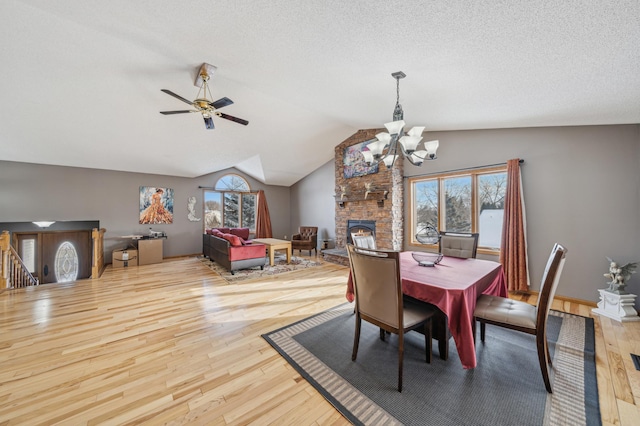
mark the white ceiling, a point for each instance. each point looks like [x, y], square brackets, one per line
[81, 79]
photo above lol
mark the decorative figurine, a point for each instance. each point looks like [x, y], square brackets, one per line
[619, 275]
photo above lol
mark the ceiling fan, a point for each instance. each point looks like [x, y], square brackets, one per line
[203, 104]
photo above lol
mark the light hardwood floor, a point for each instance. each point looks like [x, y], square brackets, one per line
[174, 343]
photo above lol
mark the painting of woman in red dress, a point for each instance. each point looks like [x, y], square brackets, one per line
[156, 205]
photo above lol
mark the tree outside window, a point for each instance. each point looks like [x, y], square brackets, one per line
[472, 201]
[231, 205]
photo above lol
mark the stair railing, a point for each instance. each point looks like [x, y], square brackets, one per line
[13, 272]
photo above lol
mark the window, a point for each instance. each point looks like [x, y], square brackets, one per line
[231, 205]
[66, 263]
[469, 201]
[28, 253]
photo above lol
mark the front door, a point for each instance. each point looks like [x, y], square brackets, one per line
[66, 256]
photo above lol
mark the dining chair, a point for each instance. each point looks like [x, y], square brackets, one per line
[379, 300]
[362, 240]
[522, 316]
[457, 244]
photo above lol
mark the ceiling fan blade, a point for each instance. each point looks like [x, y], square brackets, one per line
[177, 112]
[222, 102]
[232, 118]
[208, 121]
[169, 92]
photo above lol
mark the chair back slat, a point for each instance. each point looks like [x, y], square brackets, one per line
[549, 284]
[364, 240]
[460, 245]
[376, 283]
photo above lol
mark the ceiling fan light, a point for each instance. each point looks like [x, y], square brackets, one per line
[394, 127]
[431, 147]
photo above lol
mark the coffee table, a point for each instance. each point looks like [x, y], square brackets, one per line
[274, 244]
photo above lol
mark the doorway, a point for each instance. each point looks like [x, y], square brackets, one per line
[56, 256]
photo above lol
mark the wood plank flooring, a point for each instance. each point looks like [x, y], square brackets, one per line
[174, 343]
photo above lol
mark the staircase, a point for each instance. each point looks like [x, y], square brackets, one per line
[13, 272]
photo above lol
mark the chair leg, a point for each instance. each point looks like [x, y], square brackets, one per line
[400, 358]
[482, 327]
[543, 358]
[428, 339]
[356, 338]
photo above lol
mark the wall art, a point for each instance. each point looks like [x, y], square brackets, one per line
[156, 205]
[354, 164]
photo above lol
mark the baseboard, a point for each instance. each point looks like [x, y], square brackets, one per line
[589, 303]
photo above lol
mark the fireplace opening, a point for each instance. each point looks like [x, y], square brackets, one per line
[355, 226]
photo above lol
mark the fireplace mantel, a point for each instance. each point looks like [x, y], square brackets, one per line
[376, 196]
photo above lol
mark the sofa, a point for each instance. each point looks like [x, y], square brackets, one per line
[233, 249]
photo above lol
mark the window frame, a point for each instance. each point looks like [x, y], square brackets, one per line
[475, 208]
[239, 193]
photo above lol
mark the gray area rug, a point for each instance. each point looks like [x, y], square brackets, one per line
[506, 387]
[280, 266]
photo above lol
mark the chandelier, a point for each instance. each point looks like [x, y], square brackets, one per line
[388, 146]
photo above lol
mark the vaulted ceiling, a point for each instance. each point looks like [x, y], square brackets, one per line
[81, 79]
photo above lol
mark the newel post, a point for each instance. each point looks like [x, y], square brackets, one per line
[4, 259]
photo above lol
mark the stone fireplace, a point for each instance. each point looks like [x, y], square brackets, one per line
[355, 226]
[377, 198]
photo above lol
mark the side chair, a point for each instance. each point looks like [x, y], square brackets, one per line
[521, 316]
[462, 245]
[379, 300]
[363, 240]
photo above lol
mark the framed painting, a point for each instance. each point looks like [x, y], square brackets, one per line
[353, 161]
[156, 205]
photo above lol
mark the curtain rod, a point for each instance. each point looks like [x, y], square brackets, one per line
[462, 170]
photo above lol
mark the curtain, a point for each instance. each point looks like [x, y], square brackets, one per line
[263, 220]
[513, 250]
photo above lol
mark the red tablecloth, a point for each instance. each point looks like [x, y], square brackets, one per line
[453, 286]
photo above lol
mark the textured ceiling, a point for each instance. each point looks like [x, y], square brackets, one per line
[81, 79]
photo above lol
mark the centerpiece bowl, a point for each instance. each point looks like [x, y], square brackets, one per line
[426, 259]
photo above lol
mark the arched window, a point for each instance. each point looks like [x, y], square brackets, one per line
[66, 262]
[231, 204]
[232, 183]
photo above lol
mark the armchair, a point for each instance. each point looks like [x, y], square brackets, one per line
[305, 239]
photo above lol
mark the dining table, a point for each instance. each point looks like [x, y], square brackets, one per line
[453, 286]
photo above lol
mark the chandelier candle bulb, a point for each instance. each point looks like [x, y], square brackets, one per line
[389, 160]
[418, 157]
[394, 127]
[395, 142]
[410, 143]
